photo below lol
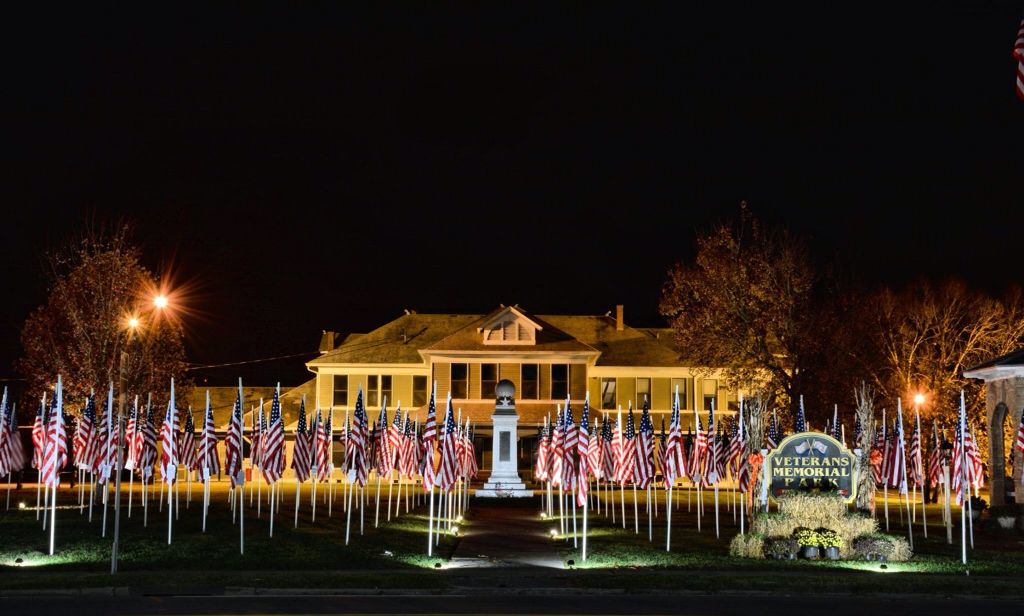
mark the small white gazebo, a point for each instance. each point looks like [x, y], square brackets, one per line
[1004, 394]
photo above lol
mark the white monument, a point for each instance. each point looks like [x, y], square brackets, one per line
[504, 480]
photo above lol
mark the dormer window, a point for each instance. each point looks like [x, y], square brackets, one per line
[510, 327]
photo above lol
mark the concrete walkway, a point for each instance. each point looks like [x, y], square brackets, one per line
[505, 537]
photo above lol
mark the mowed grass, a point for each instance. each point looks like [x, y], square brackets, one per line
[214, 556]
[700, 560]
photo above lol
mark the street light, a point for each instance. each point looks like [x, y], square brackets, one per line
[160, 302]
[918, 399]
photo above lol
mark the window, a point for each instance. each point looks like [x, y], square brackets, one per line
[385, 390]
[607, 393]
[529, 382]
[372, 393]
[559, 381]
[732, 400]
[710, 388]
[419, 390]
[340, 390]
[684, 393]
[460, 381]
[643, 391]
[488, 381]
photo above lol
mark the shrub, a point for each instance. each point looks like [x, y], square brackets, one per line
[750, 545]
[868, 547]
[806, 537]
[978, 504]
[781, 548]
[830, 538]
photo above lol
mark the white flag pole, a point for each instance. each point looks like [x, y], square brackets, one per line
[105, 467]
[172, 464]
[56, 460]
[965, 490]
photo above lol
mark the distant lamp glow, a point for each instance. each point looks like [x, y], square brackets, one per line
[919, 399]
[133, 323]
[21, 505]
[160, 301]
[554, 533]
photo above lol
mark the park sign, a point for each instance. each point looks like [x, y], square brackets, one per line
[811, 462]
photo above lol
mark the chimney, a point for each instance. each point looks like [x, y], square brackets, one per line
[327, 342]
[619, 325]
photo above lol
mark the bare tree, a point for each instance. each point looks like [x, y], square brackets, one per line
[864, 398]
[98, 286]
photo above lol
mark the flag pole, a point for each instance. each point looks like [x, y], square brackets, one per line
[650, 520]
[920, 472]
[668, 520]
[57, 424]
[273, 487]
[966, 492]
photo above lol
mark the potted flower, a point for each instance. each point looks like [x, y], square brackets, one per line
[831, 542]
[1005, 516]
[808, 541]
[781, 548]
[978, 505]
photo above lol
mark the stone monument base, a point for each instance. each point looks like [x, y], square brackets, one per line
[495, 488]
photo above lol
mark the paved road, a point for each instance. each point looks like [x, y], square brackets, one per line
[493, 604]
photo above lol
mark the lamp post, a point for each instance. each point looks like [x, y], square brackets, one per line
[160, 303]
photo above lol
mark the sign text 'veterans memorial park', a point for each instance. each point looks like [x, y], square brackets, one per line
[812, 462]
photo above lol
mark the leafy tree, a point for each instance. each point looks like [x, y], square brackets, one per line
[750, 303]
[99, 285]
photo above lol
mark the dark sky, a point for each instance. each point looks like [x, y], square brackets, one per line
[309, 167]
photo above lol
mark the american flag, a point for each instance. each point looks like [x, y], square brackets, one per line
[700, 445]
[959, 463]
[107, 460]
[675, 466]
[974, 464]
[7, 437]
[314, 443]
[627, 455]
[397, 437]
[709, 467]
[429, 436]
[209, 463]
[233, 442]
[659, 454]
[147, 444]
[556, 454]
[83, 434]
[607, 453]
[262, 449]
[837, 431]
[272, 441]
[569, 442]
[356, 446]
[935, 459]
[39, 435]
[169, 442]
[255, 451]
[302, 453]
[449, 462]
[772, 435]
[644, 473]
[732, 457]
[13, 441]
[131, 437]
[470, 468]
[878, 470]
[914, 457]
[583, 446]
[595, 447]
[384, 456]
[1019, 445]
[897, 467]
[1018, 53]
[540, 472]
[325, 447]
[801, 418]
[888, 453]
[742, 467]
[55, 441]
[722, 451]
[406, 457]
[187, 445]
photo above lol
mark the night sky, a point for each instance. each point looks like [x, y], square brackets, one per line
[312, 168]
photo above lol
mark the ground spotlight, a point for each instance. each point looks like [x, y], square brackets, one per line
[437, 565]
[554, 533]
[21, 505]
[455, 530]
[570, 563]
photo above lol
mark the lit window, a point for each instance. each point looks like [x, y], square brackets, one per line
[710, 388]
[684, 392]
[385, 390]
[372, 390]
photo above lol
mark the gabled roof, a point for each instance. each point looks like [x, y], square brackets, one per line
[632, 346]
[470, 337]
[395, 342]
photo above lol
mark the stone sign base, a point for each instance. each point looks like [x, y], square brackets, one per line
[498, 489]
[504, 480]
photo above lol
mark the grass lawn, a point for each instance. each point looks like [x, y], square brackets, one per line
[316, 557]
